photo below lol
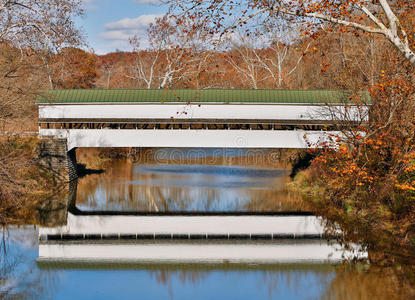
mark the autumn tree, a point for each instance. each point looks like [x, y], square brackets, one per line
[391, 19]
[145, 64]
[107, 65]
[175, 54]
[31, 31]
[282, 57]
[246, 62]
[73, 68]
[39, 27]
[367, 182]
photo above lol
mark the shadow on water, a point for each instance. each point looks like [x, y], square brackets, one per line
[83, 171]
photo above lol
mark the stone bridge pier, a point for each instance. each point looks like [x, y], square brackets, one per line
[54, 156]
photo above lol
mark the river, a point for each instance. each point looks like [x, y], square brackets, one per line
[179, 183]
[191, 181]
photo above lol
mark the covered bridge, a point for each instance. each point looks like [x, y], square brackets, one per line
[197, 118]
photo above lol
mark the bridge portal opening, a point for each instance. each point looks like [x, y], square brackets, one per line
[185, 181]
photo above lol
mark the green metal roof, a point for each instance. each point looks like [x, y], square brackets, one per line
[197, 96]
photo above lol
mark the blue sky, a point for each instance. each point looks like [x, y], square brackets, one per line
[109, 23]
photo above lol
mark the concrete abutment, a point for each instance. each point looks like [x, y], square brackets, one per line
[54, 157]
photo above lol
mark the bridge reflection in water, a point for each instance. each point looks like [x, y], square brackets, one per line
[189, 239]
[187, 214]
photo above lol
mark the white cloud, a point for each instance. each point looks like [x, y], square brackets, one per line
[140, 23]
[114, 35]
[119, 32]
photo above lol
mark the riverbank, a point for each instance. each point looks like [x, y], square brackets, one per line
[379, 227]
[26, 189]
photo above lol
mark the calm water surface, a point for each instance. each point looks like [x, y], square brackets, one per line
[194, 186]
[22, 278]
[160, 186]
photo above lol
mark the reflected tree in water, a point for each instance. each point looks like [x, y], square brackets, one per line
[157, 188]
[186, 277]
[371, 282]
